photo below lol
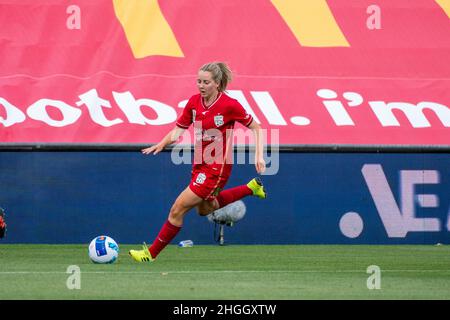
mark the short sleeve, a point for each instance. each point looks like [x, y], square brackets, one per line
[185, 119]
[240, 115]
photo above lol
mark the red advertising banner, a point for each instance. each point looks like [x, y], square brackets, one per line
[311, 72]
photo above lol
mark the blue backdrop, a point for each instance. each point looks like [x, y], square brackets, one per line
[351, 198]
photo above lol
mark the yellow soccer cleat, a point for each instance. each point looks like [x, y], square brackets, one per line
[257, 187]
[141, 255]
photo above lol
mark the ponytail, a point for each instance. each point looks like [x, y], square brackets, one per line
[220, 72]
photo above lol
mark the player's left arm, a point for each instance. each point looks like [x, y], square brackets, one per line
[260, 164]
[170, 138]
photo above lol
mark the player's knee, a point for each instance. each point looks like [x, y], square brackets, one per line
[176, 211]
[207, 208]
[203, 211]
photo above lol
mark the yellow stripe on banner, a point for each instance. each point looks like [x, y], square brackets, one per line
[312, 22]
[146, 29]
[445, 4]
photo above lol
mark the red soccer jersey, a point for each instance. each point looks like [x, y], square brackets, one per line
[213, 129]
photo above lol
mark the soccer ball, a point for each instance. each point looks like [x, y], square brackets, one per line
[103, 249]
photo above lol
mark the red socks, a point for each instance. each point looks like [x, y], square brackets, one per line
[231, 195]
[167, 233]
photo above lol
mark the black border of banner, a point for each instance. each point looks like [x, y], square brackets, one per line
[322, 148]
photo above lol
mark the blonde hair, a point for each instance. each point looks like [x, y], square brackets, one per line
[220, 73]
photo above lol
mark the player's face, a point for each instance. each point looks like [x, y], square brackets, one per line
[206, 85]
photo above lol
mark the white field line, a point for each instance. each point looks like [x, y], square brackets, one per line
[218, 272]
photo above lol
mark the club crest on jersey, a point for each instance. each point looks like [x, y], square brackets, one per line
[200, 178]
[218, 120]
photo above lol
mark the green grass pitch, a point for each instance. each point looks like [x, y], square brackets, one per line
[231, 272]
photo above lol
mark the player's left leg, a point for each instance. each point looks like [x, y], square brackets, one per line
[185, 201]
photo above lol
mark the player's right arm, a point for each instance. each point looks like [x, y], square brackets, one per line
[170, 138]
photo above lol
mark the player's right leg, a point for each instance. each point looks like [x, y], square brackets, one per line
[207, 207]
[257, 188]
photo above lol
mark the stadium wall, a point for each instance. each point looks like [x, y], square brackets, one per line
[363, 88]
[314, 198]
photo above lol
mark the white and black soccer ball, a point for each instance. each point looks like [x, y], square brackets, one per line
[103, 249]
[230, 214]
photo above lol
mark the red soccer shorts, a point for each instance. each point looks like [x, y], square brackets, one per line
[206, 185]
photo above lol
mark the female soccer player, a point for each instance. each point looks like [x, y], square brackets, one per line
[213, 114]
